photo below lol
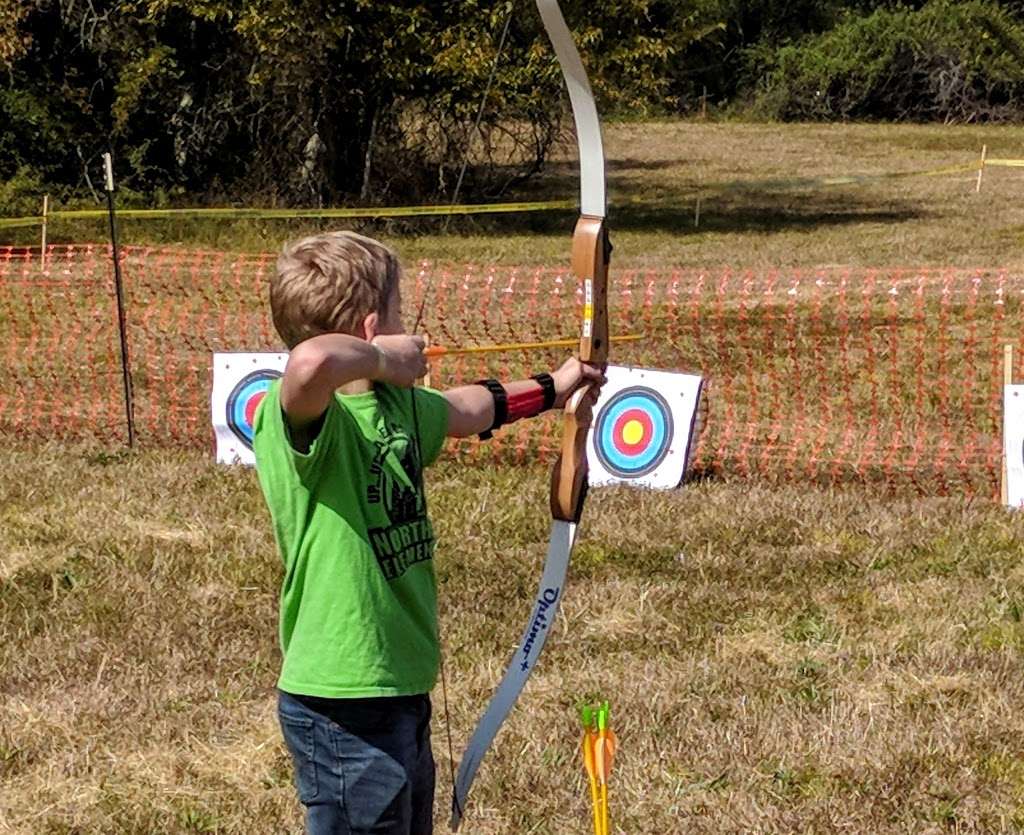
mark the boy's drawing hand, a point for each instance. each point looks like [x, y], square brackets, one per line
[401, 359]
[574, 374]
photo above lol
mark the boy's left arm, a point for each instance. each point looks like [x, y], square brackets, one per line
[471, 409]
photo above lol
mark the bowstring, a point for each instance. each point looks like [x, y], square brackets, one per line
[479, 116]
[415, 415]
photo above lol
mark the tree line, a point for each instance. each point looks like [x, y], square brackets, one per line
[314, 102]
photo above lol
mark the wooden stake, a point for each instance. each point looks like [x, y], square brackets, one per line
[1007, 381]
[42, 241]
[981, 170]
[696, 213]
[704, 103]
[122, 321]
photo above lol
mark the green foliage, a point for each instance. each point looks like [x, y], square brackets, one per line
[12, 40]
[948, 61]
[19, 195]
[721, 30]
[298, 102]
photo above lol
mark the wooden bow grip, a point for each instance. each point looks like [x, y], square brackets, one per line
[590, 253]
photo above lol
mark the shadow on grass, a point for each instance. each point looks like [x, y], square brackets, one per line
[734, 206]
[720, 216]
[765, 217]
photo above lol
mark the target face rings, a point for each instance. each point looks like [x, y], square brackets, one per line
[245, 397]
[633, 432]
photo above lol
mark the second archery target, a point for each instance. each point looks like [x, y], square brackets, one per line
[642, 433]
[240, 382]
[633, 432]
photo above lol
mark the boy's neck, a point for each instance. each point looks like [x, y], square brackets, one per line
[356, 387]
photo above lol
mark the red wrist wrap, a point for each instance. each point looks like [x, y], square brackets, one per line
[526, 404]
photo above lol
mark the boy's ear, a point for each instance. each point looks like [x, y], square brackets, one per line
[371, 326]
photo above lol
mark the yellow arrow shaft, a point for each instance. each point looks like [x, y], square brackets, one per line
[440, 351]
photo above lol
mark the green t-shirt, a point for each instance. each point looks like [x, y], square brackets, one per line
[359, 598]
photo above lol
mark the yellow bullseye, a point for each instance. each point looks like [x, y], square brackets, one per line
[633, 432]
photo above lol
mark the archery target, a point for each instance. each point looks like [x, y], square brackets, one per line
[1013, 443]
[633, 432]
[240, 382]
[643, 427]
[245, 397]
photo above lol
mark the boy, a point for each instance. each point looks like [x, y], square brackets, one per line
[340, 444]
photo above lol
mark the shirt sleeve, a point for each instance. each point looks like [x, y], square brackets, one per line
[431, 422]
[272, 437]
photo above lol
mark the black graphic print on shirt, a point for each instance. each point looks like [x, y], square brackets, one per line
[394, 483]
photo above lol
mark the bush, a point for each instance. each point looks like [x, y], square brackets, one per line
[948, 61]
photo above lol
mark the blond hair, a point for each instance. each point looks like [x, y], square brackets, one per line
[330, 283]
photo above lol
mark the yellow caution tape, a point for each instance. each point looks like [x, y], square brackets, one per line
[15, 222]
[852, 179]
[284, 214]
[466, 209]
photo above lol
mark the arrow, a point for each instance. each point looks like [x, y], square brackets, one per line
[435, 351]
[590, 762]
[604, 754]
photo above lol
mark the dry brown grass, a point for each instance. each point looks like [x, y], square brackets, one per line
[755, 211]
[783, 660]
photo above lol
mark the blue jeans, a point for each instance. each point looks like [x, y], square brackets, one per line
[361, 765]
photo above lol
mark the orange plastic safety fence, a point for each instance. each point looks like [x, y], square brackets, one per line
[884, 376]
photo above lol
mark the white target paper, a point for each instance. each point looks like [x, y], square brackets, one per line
[643, 428]
[240, 381]
[1013, 443]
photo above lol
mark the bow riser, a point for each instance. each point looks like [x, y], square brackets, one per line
[590, 253]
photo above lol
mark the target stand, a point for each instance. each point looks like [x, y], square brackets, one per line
[240, 382]
[643, 429]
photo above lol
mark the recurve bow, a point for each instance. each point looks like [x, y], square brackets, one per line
[590, 253]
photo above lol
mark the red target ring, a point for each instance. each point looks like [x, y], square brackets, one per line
[251, 405]
[632, 431]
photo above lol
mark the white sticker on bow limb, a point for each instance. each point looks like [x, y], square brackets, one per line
[240, 382]
[1013, 443]
[588, 308]
[643, 430]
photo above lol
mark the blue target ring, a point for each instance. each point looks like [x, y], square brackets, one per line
[243, 401]
[633, 432]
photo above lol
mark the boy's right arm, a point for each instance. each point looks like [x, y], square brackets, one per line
[319, 366]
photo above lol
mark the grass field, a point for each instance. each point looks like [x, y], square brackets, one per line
[759, 204]
[779, 658]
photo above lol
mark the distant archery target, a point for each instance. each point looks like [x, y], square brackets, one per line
[1013, 444]
[633, 432]
[243, 401]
